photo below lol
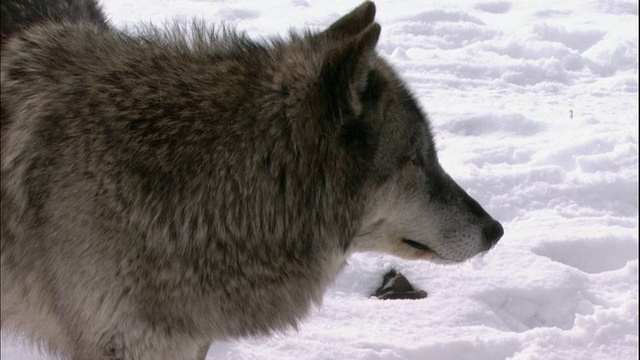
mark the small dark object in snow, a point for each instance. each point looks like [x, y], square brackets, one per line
[395, 286]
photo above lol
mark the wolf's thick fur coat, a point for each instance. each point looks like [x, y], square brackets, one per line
[165, 189]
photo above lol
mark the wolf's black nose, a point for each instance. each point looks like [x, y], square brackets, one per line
[492, 233]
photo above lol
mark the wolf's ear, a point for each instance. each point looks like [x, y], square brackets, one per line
[346, 67]
[353, 23]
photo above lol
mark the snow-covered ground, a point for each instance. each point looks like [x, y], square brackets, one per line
[499, 80]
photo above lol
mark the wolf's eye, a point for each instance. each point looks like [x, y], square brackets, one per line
[417, 160]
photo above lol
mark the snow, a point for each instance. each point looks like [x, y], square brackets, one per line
[498, 80]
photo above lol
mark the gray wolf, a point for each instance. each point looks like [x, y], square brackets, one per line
[169, 188]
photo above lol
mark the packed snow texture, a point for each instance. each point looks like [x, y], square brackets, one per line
[534, 106]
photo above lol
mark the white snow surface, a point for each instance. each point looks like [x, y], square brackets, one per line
[498, 80]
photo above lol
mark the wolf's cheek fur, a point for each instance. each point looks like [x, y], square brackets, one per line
[393, 214]
[422, 215]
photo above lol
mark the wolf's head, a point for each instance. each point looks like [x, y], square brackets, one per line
[413, 208]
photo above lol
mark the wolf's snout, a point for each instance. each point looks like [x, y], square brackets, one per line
[492, 233]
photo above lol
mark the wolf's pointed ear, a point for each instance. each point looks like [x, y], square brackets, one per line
[352, 23]
[346, 68]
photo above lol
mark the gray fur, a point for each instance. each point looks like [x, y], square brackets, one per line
[18, 15]
[168, 189]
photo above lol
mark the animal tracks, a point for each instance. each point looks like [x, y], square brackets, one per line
[520, 310]
[591, 256]
[509, 124]
[564, 291]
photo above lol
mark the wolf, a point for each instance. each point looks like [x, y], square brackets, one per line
[170, 187]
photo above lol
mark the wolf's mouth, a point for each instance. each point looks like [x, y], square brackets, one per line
[417, 245]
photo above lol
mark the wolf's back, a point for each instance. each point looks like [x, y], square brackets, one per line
[18, 15]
